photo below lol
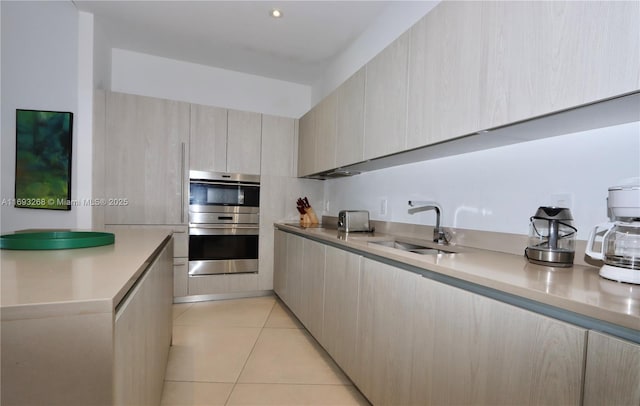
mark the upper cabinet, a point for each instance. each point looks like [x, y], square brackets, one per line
[470, 66]
[444, 96]
[317, 145]
[542, 57]
[209, 134]
[481, 65]
[146, 149]
[244, 140]
[350, 120]
[385, 106]
[225, 140]
[307, 143]
[325, 133]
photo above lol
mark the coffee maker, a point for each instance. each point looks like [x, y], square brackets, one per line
[620, 248]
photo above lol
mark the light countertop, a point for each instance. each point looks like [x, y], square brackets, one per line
[86, 279]
[578, 289]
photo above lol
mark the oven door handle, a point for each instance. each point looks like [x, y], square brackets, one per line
[229, 183]
[223, 229]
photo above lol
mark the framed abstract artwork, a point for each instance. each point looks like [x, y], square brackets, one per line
[43, 159]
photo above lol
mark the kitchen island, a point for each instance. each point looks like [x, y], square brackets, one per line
[84, 326]
[474, 326]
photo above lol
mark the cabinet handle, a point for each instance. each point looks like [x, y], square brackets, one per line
[182, 145]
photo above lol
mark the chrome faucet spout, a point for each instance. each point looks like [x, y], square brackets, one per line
[439, 235]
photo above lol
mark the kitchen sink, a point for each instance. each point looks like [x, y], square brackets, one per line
[415, 248]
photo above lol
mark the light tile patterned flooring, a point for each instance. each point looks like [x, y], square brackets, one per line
[249, 352]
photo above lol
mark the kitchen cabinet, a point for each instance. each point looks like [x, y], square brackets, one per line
[470, 66]
[385, 113]
[225, 140]
[293, 273]
[384, 334]
[145, 160]
[208, 136]
[502, 354]
[222, 283]
[142, 336]
[542, 57]
[318, 137]
[350, 120]
[445, 73]
[101, 335]
[340, 318]
[244, 142]
[280, 265]
[299, 267]
[325, 134]
[307, 143]
[613, 371]
[278, 166]
[512, 61]
[312, 303]
[406, 339]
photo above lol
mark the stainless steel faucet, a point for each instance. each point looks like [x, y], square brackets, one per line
[439, 235]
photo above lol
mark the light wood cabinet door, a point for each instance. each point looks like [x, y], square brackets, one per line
[244, 142]
[350, 120]
[312, 303]
[294, 265]
[307, 144]
[445, 73]
[384, 334]
[146, 152]
[280, 265]
[613, 371]
[385, 115]
[208, 137]
[469, 349]
[342, 276]
[542, 57]
[278, 142]
[142, 336]
[277, 166]
[325, 133]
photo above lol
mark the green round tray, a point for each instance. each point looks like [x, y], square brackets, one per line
[55, 240]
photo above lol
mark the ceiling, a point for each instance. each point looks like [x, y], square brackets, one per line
[239, 35]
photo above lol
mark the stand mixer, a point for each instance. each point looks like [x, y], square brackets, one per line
[620, 248]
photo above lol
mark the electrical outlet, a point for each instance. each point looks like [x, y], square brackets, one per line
[562, 200]
[383, 206]
[326, 206]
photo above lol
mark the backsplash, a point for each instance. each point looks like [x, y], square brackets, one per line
[498, 189]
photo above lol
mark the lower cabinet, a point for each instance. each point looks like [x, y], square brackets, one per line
[312, 299]
[384, 333]
[612, 376]
[142, 336]
[404, 339]
[341, 295]
[469, 349]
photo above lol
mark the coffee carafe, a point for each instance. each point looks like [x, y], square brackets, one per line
[620, 249]
[551, 237]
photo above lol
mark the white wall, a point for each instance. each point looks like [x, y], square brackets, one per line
[499, 189]
[397, 18]
[148, 75]
[39, 71]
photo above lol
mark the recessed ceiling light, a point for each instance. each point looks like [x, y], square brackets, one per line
[275, 13]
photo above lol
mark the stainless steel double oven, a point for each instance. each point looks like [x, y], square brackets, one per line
[224, 223]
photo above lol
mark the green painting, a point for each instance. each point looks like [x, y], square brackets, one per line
[43, 159]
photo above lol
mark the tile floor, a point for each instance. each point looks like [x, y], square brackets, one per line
[249, 352]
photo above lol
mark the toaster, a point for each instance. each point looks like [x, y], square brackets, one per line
[353, 220]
